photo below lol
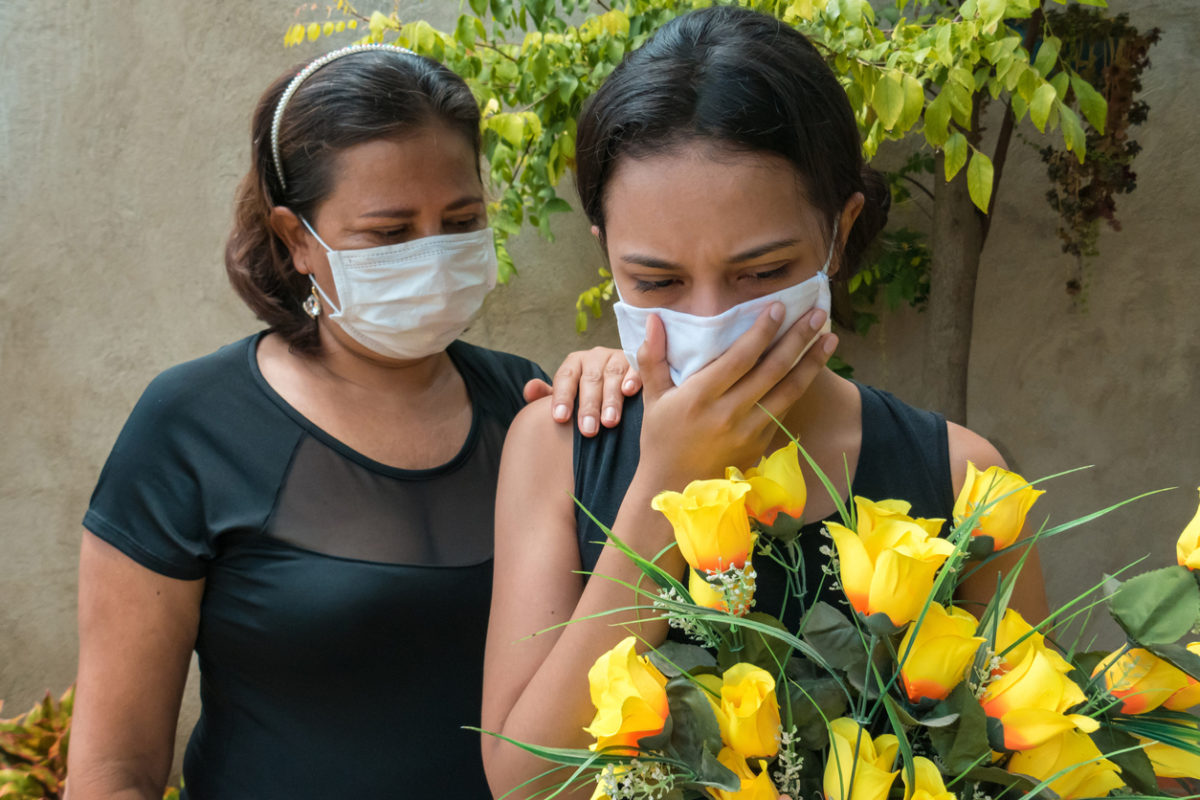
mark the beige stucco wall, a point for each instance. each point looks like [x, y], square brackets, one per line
[123, 129]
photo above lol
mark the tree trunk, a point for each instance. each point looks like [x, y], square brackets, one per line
[957, 240]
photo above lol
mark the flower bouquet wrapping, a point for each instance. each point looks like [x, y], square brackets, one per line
[885, 688]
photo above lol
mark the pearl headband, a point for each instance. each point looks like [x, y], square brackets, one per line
[300, 78]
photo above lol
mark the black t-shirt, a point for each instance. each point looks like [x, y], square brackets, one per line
[905, 455]
[345, 605]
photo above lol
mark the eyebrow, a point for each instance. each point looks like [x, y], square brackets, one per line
[745, 255]
[392, 213]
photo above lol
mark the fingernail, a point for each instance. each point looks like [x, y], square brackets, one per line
[829, 344]
[776, 311]
[818, 319]
[610, 415]
[561, 412]
[589, 425]
[628, 386]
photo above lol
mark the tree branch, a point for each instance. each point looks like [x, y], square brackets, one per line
[1000, 154]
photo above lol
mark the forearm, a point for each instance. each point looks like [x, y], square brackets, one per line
[554, 705]
[97, 777]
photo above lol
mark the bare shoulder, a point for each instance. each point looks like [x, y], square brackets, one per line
[536, 470]
[533, 430]
[967, 445]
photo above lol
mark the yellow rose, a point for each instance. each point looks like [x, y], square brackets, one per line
[858, 768]
[942, 649]
[929, 783]
[710, 522]
[1140, 680]
[1187, 549]
[776, 485]
[753, 787]
[1009, 497]
[1031, 698]
[1015, 638]
[889, 564]
[1095, 776]
[629, 696]
[749, 717]
[1189, 695]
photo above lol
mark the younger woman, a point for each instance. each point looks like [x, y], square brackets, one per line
[721, 168]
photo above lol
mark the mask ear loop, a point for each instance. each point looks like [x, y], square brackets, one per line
[329, 250]
[828, 258]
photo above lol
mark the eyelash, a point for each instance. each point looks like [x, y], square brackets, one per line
[459, 224]
[650, 286]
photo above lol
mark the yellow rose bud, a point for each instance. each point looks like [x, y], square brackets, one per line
[1009, 497]
[889, 565]
[1189, 695]
[629, 696]
[858, 768]
[1187, 549]
[1091, 775]
[929, 783]
[1140, 680]
[939, 652]
[753, 787]
[776, 485]
[1171, 762]
[1015, 638]
[710, 522]
[749, 716]
[1031, 699]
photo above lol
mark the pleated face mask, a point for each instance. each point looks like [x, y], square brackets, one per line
[693, 342]
[412, 299]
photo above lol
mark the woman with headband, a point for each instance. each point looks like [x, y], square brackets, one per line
[310, 509]
[721, 168]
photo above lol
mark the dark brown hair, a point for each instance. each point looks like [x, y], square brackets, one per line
[744, 81]
[354, 99]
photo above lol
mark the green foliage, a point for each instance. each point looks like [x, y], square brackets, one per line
[914, 70]
[33, 751]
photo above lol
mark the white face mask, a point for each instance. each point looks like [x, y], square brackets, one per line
[693, 342]
[410, 300]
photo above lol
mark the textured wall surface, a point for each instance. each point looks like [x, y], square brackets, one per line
[123, 131]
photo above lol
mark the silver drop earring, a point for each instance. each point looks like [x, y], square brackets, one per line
[312, 304]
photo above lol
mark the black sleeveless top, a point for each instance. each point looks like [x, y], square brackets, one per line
[905, 455]
[345, 602]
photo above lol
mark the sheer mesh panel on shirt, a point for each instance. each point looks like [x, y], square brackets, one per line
[443, 517]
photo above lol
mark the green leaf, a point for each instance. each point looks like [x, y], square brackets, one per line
[1157, 607]
[888, 99]
[914, 103]
[979, 180]
[834, 635]
[755, 648]
[1073, 135]
[960, 103]
[963, 745]
[942, 43]
[1039, 108]
[1136, 769]
[955, 151]
[1178, 655]
[991, 12]
[1091, 102]
[1047, 55]
[937, 120]
[670, 657]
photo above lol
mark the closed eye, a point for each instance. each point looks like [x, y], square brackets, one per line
[465, 224]
[650, 286]
[770, 274]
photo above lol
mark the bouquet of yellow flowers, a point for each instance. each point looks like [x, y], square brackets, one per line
[897, 693]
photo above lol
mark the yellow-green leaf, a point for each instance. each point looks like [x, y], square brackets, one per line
[963, 77]
[914, 102]
[888, 99]
[510, 127]
[942, 44]
[1073, 135]
[955, 154]
[979, 180]
[937, 120]
[1091, 102]
[1047, 55]
[1039, 108]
